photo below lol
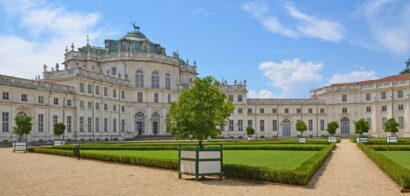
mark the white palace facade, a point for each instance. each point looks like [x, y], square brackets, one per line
[124, 89]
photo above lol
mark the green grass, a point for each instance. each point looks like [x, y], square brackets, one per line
[400, 157]
[274, 159]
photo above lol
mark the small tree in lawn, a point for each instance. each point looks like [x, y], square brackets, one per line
[59, 129]
[200, 111]
[332, 127]
[23, 126]
[361, 126]
[301, 127]
[250, 131]
[391, 126]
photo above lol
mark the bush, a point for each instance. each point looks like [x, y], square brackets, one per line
[398, 173]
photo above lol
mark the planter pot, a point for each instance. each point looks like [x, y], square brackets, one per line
[332, 139]
[250, 138]
[302, 140]
[362, 140]
[392, 139]
[19, 146]
[200, 162]
[59, 142]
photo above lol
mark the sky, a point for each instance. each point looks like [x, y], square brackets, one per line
[283, 49]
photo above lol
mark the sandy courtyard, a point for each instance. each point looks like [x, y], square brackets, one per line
[347, 172]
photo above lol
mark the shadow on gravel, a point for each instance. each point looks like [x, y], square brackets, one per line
[315, 178]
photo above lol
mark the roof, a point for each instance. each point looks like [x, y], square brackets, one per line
[135, 36]
[366, 82]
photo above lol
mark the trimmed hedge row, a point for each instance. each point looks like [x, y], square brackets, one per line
[299, 176]
[297, 147]
[397, 172]
[390, 147]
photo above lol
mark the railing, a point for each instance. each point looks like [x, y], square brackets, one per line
[85, 74]
[25, 83]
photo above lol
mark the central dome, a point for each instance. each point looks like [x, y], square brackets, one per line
[135, 36]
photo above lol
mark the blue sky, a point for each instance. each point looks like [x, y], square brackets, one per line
[282, 48]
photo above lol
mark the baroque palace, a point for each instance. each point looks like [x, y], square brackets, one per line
[124, 89]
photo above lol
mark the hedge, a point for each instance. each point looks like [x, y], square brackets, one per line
[390, 147]
[397, 172]
[299, 176]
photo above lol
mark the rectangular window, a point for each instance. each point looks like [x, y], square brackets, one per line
[384, 119]
[55, 101]
[286, 110]
[82, 87]
[261, 110]
[105, 106]
[89, 125]
[55, 119]
[169, 98]
[369, 120]
[24, 97]
[400, 94]
[156, 98]
[310, 110]
[344, 110]
[249, 110]
[298, 110]
[274, 110]
[40, 99]
[368, 98]
[6, 96]
[113, 70]
[274, 125]
[97, 90]
[81, 124]
[40, 123]
[240, 125]
[383, 95]
[114, 125]
[5, 122]
[69, 102]
[239, 110]
[401, 107]
[401, 122]
[310, 125]
[122, 95]
[90, 105]
[114, 108]
[344, 98]
[69, 124]
[384, 108]
[105, 91]
[139, 97]
[322, 110]
[105, 124]
[322, 125]
[239, 98]
[97, 124]
[81, 104]
[368, 109]
[122, 108]
[249, 123]
[231, 98]
[90, 88]
[230, 125]
[122, 125]
[262, 125]
[114, 92]
[97, 106]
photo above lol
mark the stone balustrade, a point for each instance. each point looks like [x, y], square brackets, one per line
[33, 84]
[84, 74]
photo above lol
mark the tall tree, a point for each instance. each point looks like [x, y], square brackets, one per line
[200, 111]
[23, 126]
[407, 69]
[59, 129]
[361, 126]
[301, 127]
[331, 127]
[391, 126]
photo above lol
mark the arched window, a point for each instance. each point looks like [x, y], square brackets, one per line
[155, 80]
[344, 126]
[139, 123]
[155, 123]
[167, 81]
[139, 79]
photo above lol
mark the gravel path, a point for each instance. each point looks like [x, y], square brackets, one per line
[347, 172]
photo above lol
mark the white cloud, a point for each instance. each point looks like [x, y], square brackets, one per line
[292, 77]
[353, 76]
[388, 22]
[202, 11]
[304, 25]
[261, 94]
[46, 31]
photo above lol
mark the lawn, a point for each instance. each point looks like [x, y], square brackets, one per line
[400, 157]
[274, 159]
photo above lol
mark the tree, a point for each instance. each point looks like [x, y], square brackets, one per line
[407, 69]
[361, 126]
[23, 126]
[200, 111]
[58, 129]
[301, 127]
[250, 131]
[391, 126]
[332, 127]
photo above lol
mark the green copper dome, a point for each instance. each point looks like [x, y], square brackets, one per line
[135, 36]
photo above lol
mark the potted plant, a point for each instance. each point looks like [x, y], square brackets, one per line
[361, 126]
[301, 127]
[22, 129]
[250, 132]
[391, 126]
[200, 111]
[58, 130]
[331, 129]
